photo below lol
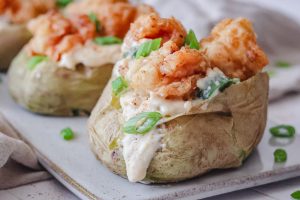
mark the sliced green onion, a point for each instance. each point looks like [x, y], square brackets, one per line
[271, 73]
[34, 61]
[67, 134]
[296, 195]
[191, 40]
[93, 17]
[119, 85]
[142, 123]
[282, 64]
[280, 155]
[109, 40]
[63, 3]
[216, 85]
[146, 48]
[283, 131]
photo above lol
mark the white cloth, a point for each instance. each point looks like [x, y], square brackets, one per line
[277, 33]
[18, 163]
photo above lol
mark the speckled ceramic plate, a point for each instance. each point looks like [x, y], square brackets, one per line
[73, 163]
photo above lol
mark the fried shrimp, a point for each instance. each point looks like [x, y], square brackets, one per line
[21, 11]
[115, 16]
[232, 48]
[169, 72]
[56, 34]
[152, 26]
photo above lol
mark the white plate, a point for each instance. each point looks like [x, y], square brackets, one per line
[72, 162]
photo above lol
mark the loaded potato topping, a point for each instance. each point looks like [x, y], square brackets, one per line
[89, 33]
[165, 69]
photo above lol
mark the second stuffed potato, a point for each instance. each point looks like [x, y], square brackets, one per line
[65, 66]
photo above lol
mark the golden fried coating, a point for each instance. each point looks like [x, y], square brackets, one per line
[115, 16]
[232, 48]
[55, 34]
[153, 26]
[171, 72]
[21, 11]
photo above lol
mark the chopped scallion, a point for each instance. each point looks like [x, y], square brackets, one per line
[283, 131]
[108, 40]
[142, 123]
[34, 61]
[280, 155]
[146, 48]
[67, 134]
[119, 85]
[282, 64]
[216, 85]
[191, 40]
[63, 3]
[296, 195]
[93, 17]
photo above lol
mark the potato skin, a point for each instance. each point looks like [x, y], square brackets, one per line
[219, 133]
[12, 39]
[52, 90]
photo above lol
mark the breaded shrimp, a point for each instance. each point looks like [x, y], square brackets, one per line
[169, 72]
[152, 26]
[55, 34]
[232, 48]
[115, 16]
[21, 11]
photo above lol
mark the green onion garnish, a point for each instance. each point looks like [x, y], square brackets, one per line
[280, 156]
[271, 73]
[34, 61]
[63, 3]
[93, 17]
[296, 195]
[142, 123]
[216, 85]
[282, 64]
[146, 48]
[283, 131]
[191, 40]
[119, 85]
[67, 134]
[108, 40]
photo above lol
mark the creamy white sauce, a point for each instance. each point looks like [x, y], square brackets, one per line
[138, 151]
[133, 103]
[91, 55]
[168, 107]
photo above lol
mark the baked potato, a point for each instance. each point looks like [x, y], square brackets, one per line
[13, 32]
[168, 114]
[67, 63]
[50, 89]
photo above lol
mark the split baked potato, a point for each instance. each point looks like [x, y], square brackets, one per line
[67, 63]
[168, 114]
[53, 90]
